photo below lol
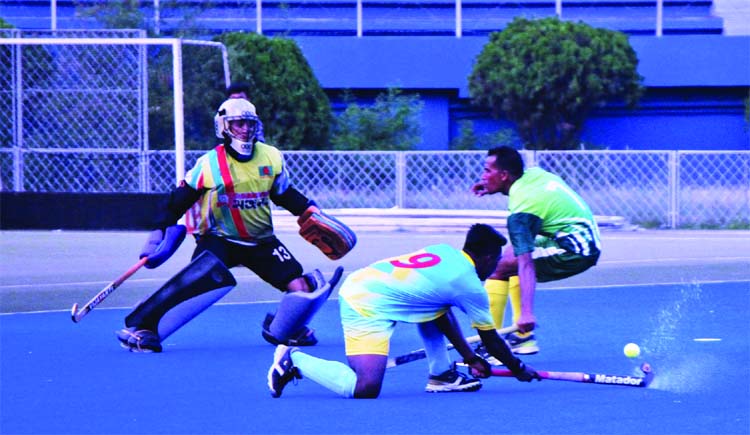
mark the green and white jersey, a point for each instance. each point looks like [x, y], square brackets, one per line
[542, 204]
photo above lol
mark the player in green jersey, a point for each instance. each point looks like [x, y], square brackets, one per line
[552, 231]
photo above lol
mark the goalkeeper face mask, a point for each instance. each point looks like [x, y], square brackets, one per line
[236, 120]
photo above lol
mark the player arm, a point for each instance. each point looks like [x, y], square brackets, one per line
[180, 199]
[334, 238]
[166, 236]
[527, 280]
[498, 348]
[285, 195]
[293, 200]
[523, 228]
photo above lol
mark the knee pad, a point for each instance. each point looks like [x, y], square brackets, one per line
[296, 309]
[196, 287]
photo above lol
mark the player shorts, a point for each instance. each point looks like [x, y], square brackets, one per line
[364, 335]
[270, 260]
[553, 263]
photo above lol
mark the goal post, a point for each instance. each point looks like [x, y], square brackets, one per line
[21, 78]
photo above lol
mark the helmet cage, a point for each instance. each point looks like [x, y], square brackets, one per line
[235, 110]
[252, 120]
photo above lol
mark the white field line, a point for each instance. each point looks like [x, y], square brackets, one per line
[274, 301]
[654, 261]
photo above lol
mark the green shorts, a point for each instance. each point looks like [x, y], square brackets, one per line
[553, 263]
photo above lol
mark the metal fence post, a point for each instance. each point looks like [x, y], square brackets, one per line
[400, 178]
[179, 122]
[143, 97]
[18, 125]
[674, 179]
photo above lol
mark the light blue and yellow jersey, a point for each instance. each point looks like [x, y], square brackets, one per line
[236, 200]
[419, 287]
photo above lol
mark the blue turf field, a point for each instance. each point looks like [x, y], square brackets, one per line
[59, 377]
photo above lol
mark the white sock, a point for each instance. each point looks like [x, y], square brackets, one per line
[435, 348]
[337, 377]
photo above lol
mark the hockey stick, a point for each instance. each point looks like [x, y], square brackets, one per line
[591, 378]
[420, 353]
[77, 315]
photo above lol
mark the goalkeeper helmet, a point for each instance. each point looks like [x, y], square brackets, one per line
[236, 121]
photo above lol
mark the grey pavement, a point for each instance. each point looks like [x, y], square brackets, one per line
[426, 220]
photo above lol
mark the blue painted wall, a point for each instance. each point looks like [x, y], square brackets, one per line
[695, 100]
[697, 80]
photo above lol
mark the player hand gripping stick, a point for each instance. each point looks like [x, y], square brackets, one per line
[161, 244]
[419, 354]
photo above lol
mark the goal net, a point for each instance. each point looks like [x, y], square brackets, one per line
[104, 111]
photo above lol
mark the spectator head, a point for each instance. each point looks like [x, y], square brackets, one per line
[238, 90]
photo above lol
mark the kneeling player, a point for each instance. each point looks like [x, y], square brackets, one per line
[230, 190]
[418, 287]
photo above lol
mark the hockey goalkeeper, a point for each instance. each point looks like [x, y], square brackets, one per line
[229, 193]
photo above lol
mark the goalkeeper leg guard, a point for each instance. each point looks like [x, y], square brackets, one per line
[196, 287]
[295, 311]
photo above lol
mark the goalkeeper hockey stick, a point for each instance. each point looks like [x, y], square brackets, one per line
[591, 378]
[77, 314]
[420, 353]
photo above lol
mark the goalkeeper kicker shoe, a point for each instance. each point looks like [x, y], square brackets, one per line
[481, 350]
[141, 340]
[304, 337]
[282, 370]
[452, 381]
[522, 344]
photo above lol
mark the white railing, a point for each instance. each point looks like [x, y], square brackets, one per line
[655, 189]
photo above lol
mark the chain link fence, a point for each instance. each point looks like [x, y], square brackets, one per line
[654, 189]
[76, 113]
[76, 118]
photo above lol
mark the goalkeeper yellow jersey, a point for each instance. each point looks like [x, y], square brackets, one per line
[419, 287]
[235, 201]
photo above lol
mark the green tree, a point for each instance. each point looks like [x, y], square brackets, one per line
[548, 75]
[468, 139]
[391, 123]
[114, 14]
[203, 92]
[295, 111]
[128, 14]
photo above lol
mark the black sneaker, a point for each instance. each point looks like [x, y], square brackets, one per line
[452, 381]
[522, 345]
[141, 340]
[482, 351]
[282, 370]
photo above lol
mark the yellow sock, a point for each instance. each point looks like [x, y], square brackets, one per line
[514, 291]
[498, 293]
